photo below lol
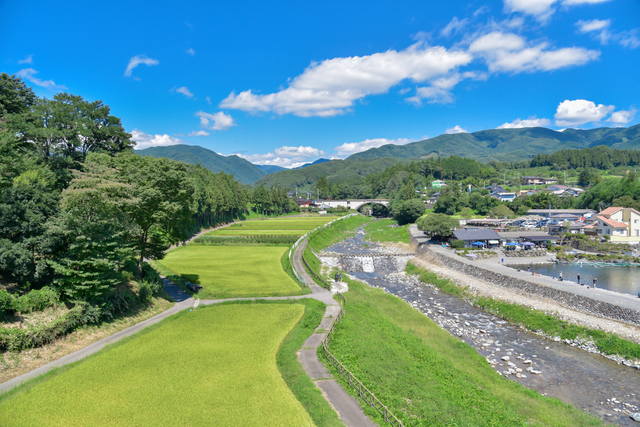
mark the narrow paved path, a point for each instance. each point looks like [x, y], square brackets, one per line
[346, 406]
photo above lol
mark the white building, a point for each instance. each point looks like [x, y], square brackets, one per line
[622, 225]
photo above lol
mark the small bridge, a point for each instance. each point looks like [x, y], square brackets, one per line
[352, 203]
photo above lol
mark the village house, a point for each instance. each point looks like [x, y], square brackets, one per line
[537, 180]
[438, 184]
[622, 225]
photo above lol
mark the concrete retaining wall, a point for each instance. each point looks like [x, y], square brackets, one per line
[568, 299]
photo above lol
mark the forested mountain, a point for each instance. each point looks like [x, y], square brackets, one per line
[353, 172]
[243, 170]
[316, 162]
[271, 168]
[509, 144]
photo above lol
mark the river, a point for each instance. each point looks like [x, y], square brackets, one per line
[623, 279]
[585, 380]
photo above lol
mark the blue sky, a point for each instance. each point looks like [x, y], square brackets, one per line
[290, 82]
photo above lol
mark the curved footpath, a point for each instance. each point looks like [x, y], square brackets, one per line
[346, 406]
[603, 295]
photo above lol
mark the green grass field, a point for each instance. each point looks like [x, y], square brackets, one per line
[215, 366]
[233, 271]
[381, 231]
[427, 377]
[277, 226]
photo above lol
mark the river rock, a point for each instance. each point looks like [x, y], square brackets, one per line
[505, 358]
[527, 362]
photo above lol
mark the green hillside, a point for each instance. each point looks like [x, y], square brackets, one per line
[508, 144]
[351, 171]
[244, 171]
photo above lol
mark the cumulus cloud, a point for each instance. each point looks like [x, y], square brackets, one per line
[455, 129]
[349, 148]
[145, 140]
[531, 122]
[580, 111]
[217, 121]
[199, 133]
[510, 52]
[137, 60]
[27, 60]
[454, 27]
[440, 90]
[191, 52]
[29, 74]
[285, 156]
[184, 90]
[593, 25]
[542, 9]
[623, 117]
[332, 86]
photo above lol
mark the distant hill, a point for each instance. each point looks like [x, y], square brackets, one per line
[508, 144]
[340, 171]
[317, 162]
[244, 171]
[271, 168]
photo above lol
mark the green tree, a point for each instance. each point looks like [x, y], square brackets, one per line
[408, 211]
[438, 225]
[323, 187]
[501, 211]
[15, 96]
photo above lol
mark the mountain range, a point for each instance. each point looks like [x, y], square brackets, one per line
[486, 145]
[508, 144]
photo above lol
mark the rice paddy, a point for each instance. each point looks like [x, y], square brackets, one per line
[277, 226]
[213, 366]
[233, 271]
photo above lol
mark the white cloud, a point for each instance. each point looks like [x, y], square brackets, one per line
[332, 86]
[145, 140]
[531, 122]
[580, 111]
[217, 121]
[453, 27]
[208, 100]
[623, 117]
[29, 74]
[439, 92]
[27, 60]
[593, 25]
[286, 151]
[286, 157]
[542, 9]
[349, 148]
[509, 52]
[199, 133]
[191, 52]
[185, 91]
[137, 60]
[455, 129]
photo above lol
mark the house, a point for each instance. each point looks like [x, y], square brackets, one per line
[622, 225]
[488, 237]
[519, 237]
[537, 180]
[556, 189]
[304, 203]
[438, 184]
[557, 222]
[501, 194]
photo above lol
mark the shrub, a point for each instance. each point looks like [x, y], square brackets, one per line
[145, 292]
[36, 300]
[6, 301]
[457, 244]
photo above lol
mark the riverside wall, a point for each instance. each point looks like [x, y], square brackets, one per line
[567, 299]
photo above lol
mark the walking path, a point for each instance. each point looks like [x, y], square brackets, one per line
[604, 295]
[346, 406]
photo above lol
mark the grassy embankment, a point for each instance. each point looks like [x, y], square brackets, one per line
[218, 365]
[387, 230]
[427, 377]
[326, 237]
[533, 320]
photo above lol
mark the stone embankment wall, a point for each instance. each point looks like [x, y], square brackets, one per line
[568, 299]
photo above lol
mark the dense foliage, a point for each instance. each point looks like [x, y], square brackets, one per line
[80, 213]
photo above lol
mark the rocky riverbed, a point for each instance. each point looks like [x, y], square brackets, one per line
[552, 367]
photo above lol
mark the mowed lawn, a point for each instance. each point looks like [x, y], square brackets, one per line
[215, 366]
[278, 226]
[233, 271]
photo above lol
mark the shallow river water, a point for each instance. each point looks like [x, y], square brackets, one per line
[585, 380]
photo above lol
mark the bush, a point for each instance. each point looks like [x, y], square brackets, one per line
[36, 300]
[145, 292]
[457, 244]
[6, 301]
[408, 211]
